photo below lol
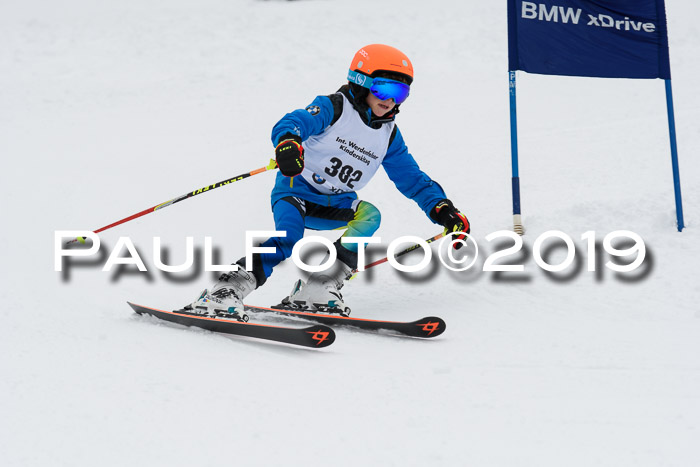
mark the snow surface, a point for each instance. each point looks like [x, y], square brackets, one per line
[107, 108]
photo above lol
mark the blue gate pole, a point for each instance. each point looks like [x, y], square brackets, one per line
[517, 219]
[674, 155]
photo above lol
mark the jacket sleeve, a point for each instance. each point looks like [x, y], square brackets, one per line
[312, 120]
[410, 180]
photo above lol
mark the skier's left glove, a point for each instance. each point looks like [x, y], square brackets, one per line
[289, 154]
[445, 214]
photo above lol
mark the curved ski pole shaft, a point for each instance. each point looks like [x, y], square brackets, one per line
[402, 252]
[272, 165]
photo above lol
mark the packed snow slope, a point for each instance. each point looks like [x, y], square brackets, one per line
[108, 108]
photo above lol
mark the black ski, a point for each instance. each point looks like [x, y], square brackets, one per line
[430, 326]
[317, 336]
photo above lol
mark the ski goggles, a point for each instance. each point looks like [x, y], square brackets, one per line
[382, 88]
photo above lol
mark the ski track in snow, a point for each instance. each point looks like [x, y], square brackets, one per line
[108, 108]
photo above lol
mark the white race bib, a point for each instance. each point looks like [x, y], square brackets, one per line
[347, 155]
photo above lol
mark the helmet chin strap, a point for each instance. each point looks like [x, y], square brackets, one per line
[386, 118]
[389, 117]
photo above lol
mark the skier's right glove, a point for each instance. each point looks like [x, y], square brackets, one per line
[445, 214]
[290, 155]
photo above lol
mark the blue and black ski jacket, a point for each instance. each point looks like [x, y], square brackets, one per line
[398, 163]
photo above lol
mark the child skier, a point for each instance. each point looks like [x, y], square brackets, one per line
[325, 153]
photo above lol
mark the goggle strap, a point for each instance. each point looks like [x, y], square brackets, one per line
[358, 78]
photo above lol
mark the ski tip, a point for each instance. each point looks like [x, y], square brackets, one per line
[137, 308]
[320, 336]
[430, 326]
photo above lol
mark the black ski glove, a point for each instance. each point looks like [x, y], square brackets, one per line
[290, 155]
[445, 214]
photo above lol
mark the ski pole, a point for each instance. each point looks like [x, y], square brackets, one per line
[272, 165]
[402, 252]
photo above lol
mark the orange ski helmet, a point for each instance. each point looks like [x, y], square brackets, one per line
[374, 58]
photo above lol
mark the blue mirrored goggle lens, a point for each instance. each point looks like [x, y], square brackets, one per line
[384, 88]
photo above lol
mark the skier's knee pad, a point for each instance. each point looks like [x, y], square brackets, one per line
[366, 221]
